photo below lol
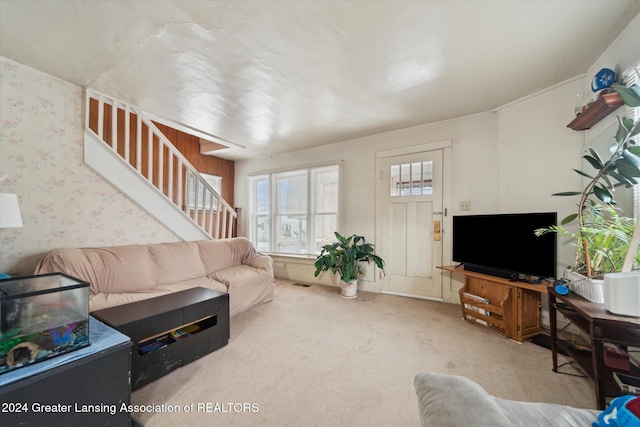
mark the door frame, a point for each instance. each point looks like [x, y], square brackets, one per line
[446, 147]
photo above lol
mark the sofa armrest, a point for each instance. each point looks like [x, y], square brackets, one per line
[454, 401]
[260, 261]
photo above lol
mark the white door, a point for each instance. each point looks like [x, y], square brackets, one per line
[411, 210]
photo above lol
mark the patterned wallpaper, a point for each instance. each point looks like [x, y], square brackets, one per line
[63, 203]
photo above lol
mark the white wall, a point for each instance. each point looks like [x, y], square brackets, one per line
[486, 167]
[509, 160]
[537, 154]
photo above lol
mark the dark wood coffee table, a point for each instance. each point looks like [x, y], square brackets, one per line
[170, 330]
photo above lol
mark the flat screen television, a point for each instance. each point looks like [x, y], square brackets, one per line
[504, 245]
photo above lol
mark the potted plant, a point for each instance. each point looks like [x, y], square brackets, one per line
[603, 237]
[345, 258]
[608, 235]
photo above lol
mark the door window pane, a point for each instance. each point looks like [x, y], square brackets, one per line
[411, 179]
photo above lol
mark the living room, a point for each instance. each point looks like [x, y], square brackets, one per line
[510, 158]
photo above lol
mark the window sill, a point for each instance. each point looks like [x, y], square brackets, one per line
[291, 257]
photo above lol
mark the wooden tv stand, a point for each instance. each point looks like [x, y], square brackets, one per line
[512, 308]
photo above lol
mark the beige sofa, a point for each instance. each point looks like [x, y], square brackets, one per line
[123, 274]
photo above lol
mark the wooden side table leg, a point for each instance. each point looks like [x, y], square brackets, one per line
[554, 331]
[599, 370]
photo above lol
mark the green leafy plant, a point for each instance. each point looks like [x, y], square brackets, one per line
[621, 168]
[345, 257]
[608, 236]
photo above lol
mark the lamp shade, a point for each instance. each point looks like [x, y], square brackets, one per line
[9, 211]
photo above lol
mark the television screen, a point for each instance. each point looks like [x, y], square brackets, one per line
[505, 245]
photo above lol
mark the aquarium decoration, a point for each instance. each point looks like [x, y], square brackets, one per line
[41, 317]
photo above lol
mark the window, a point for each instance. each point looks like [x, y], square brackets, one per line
[213, 180]
[296, 211]
[630, 77]
[412, 179]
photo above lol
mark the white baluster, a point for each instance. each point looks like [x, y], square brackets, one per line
[224, 223]
[101, 117]
[114, 126]
[150, 157]
[160, 165]
[139, 144]
[217, 229]
[127, 129]
[180, 201]
[170, 192]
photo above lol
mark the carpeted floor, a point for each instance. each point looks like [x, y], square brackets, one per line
[312, 358]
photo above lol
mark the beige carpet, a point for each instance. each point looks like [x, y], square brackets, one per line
[312, 358]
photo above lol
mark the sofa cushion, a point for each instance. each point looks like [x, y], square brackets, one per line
[203, 282]
[100, 301]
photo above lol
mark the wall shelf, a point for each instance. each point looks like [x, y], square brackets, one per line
[601, 108]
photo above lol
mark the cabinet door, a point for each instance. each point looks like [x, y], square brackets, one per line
[528, 314]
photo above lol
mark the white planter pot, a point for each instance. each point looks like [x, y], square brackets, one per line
[622, 293]
[589, 289]
[349, 290]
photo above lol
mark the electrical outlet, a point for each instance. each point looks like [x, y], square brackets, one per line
[465, 205]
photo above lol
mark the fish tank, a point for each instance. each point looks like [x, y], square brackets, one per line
[41, 317]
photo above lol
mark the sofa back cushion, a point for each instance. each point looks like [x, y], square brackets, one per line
[108, 270]
[175, 262]
[224, 253]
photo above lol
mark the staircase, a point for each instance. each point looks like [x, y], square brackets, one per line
[131, 153]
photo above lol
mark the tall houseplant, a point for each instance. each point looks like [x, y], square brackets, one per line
[621, 168]
[344, 258]
[608, 235]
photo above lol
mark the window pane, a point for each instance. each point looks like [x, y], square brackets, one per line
[405, 179]
[427, 177]
[262, 196]
[292, 234]
[325, 189]
[292, 192]
[325, 226]
[262, 233]
[416, 178]
[395, 180]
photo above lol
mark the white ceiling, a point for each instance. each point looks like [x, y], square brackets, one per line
[279, 76]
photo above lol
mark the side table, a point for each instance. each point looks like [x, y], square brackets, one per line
[601, 327]
[85, 387]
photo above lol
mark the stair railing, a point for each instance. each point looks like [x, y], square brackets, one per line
[145, 152]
